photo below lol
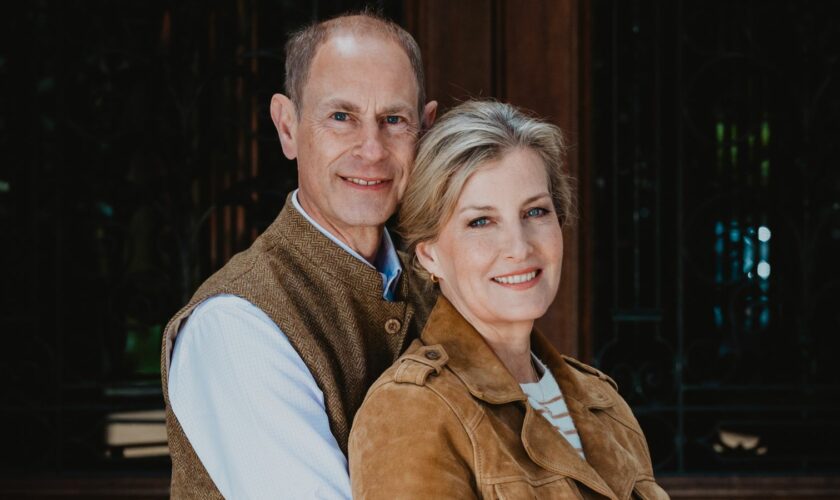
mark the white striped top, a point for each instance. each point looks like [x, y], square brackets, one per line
[545, 397]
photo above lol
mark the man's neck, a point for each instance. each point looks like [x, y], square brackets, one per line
[364, 240]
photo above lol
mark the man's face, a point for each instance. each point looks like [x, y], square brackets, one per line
[356, 131]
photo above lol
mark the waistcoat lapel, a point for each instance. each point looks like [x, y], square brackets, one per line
[319, 262]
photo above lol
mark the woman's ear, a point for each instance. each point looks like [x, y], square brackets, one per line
[426, 252]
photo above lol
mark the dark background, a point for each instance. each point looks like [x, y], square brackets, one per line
[137, 155]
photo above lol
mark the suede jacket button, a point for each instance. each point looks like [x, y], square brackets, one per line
[432, 355]
[393, 326]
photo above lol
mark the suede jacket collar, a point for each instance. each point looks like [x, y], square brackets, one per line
[610, 469]
[478, 367]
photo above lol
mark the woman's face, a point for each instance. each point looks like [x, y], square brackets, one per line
[499, 256]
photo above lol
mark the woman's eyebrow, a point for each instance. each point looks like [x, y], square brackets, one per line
[536, 197]
[485, 208]
[477, 208]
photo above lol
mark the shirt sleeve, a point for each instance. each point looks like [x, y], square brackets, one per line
[250, 407]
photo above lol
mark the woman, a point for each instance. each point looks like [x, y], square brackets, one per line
[481, 406]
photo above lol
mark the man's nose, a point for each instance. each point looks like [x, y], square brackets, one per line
[372, 145]
[518, 245]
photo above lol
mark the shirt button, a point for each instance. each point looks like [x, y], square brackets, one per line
[432, 355]
[393, 326]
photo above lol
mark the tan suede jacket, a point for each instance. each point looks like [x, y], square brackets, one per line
[447, 420]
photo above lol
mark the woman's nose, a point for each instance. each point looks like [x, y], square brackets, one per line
[518, 246]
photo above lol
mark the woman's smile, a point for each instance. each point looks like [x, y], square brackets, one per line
[520, 280]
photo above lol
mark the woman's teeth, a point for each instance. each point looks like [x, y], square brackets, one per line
[516, 278]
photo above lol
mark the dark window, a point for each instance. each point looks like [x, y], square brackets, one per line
[136, 156]
[717, 244]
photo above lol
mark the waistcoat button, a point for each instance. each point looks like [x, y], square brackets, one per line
[393, 326]
[433, 355]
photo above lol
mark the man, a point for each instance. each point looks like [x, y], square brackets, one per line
[273, 355]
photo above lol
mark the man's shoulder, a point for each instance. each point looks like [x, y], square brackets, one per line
[225, 307]
[241, 267]
[223, 318]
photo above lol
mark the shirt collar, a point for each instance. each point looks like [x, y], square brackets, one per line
[386, 263]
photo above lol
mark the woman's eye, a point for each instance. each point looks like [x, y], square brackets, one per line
[536, 212]
[340, 116]
[480, 222]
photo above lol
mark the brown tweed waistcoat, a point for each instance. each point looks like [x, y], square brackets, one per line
[328, 304]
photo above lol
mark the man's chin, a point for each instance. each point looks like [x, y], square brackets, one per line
[361, 218]
[364, 220]
[365, 214]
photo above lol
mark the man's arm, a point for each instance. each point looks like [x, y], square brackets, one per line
[250, 407]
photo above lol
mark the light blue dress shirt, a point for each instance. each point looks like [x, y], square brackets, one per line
[249, 405]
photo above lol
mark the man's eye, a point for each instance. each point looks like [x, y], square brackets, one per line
[393, 120]
[536, 212]
[480, 222]
[340, 116]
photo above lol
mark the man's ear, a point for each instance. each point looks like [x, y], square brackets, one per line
[284, 116]
[427, 257]
[429, 114]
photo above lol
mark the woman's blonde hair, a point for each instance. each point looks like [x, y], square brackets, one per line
[465, 139]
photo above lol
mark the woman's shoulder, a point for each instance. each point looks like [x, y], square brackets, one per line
[411, 435]
[589, 370]
[421, 373]
[596, 389]
[418, 365]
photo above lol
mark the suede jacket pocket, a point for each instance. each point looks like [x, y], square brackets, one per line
[561, 489]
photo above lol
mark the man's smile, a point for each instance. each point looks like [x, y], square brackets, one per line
[363, 182]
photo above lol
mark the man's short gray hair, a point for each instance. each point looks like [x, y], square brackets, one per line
[304, 43]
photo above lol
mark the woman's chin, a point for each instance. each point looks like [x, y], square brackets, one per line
[523, 306]
[520, 313]
[501, 306]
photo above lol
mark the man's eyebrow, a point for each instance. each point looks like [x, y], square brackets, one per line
[396, 109]
[341, 104]
[345, 105]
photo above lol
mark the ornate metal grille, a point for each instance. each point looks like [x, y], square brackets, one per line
[717, 234]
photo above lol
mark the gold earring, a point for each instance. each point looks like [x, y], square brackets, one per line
[433, 278]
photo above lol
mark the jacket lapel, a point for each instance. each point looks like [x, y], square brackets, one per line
[470, 357]
[485, 376]
[551, 451]
[590, 400]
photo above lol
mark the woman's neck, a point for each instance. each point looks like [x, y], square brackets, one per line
[510, 341]
[514, 350]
